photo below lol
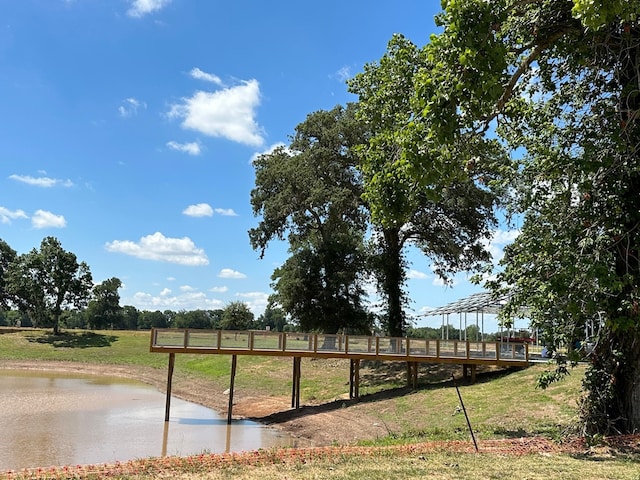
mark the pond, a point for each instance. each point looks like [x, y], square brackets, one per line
[51, 419]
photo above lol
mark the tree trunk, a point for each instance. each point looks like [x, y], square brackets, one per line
[393, 277]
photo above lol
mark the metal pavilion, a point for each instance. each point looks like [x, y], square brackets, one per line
[478, 304]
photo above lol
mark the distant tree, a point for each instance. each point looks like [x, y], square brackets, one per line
[130, 316]
[74, 319]
[170, 316]
[193, 319]
[216, 317]
[7, 256]
[104, 310]
[273, 317]
[237, 316]
[156, 319]
[47, 280]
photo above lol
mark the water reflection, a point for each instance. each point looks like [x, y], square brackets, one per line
[49, 419]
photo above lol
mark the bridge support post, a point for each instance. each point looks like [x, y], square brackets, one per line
[232, 382]
[465, 371]
[412, 374]
[354, 378]
[295, 384]
[167, 408]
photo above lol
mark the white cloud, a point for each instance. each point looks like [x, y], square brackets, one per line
[439, 282]
[256, 301]
[343, 74]
[166, 301]
[192, 148]
[495, 245]
[219, 289]
[416, 275]
[44, 219]
[130, 107]
[7, 215]
[140, 8]
[198, 210]
[228, 113]
[45, 182]
[226, 212]
[165, 292]
[188, 288]
[207, 77]
[229, 273]
[160, 248]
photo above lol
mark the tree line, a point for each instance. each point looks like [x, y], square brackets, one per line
[49, 288]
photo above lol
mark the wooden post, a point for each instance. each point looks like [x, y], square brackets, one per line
[234, 362]
[295, 384]
[295, 393]
[354, 378]
[172, 361]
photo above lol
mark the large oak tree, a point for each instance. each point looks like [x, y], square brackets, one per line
[46, 281]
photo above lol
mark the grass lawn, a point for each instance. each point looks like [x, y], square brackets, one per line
[501, 405]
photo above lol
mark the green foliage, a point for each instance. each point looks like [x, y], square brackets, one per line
[554, 85]
[46, 281]
[104, 310]
[236, 316]
[311, 192]
[415, 192]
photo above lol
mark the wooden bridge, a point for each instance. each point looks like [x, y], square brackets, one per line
[413, 351]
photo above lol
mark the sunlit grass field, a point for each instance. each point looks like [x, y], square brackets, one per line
[501, 404]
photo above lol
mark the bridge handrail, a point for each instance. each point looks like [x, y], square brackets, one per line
[189, 340]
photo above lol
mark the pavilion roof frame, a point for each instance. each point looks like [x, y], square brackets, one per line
[485, 302]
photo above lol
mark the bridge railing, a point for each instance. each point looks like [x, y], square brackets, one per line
[292, 343]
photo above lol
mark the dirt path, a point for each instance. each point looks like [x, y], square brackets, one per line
[312, 425]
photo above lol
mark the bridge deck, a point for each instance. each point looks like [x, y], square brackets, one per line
[355, 347]
[469, 354]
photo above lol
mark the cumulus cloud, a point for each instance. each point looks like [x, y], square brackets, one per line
[228, 113]
[416, 275]
[207, 77]
[198, 210]
[229, 273]
[166, 301]
[44, 182]
[7, 215]
[140, 8]
[192, 148]
[130, 107]
[226, 212]
[495, 245]
[44, 219]
[256, 301]
[219, 289]
[160, 248]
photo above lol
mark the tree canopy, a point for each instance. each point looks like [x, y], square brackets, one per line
[553, 87]
[47, 280]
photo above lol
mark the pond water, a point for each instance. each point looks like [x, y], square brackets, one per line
[50, 419]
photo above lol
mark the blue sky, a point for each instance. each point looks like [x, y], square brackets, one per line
[129, 126]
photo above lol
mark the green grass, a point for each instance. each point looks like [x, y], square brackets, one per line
[500, 404]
